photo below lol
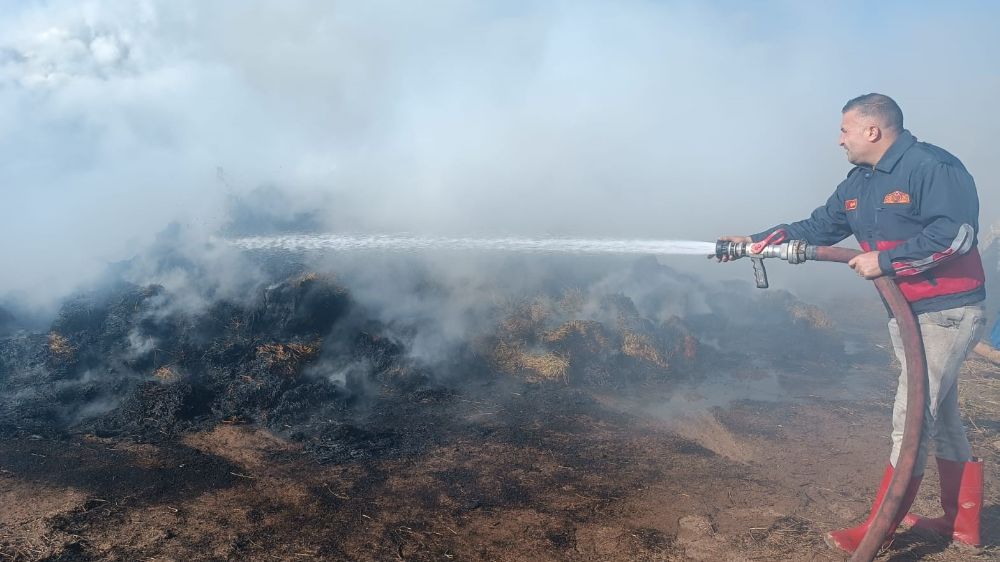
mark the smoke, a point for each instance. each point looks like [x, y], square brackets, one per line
[627, 119]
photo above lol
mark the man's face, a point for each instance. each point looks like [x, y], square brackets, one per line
[857, 136]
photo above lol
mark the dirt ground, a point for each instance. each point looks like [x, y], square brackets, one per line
[519, 472]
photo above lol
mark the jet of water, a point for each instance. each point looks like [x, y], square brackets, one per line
[405, 243]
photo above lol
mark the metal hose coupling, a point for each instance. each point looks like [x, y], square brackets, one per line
[793, 251]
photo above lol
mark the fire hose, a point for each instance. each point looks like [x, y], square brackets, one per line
[798, 251]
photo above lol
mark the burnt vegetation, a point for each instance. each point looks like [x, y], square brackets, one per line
[132, 360]
[507, 421]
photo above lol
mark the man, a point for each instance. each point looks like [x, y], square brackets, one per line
[914, 210]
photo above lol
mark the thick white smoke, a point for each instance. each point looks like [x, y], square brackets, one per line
[629, 119]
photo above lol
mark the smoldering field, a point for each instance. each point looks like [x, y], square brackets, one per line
[206, 402]
[168, 336]
[279, 404]
[194, 401]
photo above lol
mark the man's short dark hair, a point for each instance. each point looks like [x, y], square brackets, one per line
[879, 106]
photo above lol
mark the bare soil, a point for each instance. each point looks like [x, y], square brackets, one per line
[535, 473]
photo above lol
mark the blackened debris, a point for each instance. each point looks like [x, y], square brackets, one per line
[300, 356]
[135, 360]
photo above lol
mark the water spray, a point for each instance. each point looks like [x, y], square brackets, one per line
[410, 243]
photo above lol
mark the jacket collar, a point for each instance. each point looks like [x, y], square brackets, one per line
[903, 142]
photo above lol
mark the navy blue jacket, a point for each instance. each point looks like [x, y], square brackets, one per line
[919, 207]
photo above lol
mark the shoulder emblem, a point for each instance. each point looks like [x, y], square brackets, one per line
[897, 198]
[851, 204]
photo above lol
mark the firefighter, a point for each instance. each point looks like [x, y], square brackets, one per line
[914, 209]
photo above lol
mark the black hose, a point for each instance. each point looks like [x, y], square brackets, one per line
[888, 515]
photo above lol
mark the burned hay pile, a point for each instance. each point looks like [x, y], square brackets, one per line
[545, 340]
[301, 356]
[132, 360]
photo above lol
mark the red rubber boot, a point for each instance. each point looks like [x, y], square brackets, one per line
[849, 539]
[961, 500]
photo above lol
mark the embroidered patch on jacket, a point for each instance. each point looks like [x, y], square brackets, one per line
[897, 198]
[851, 204]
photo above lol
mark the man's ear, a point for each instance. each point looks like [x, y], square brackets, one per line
[874, 133]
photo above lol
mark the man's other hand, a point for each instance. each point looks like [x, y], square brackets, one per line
[866, 265]
[738, 239]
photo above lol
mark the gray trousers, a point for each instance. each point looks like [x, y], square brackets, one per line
[948, 336]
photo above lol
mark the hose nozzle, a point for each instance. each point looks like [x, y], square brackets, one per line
[793, 251]
[730, 249]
